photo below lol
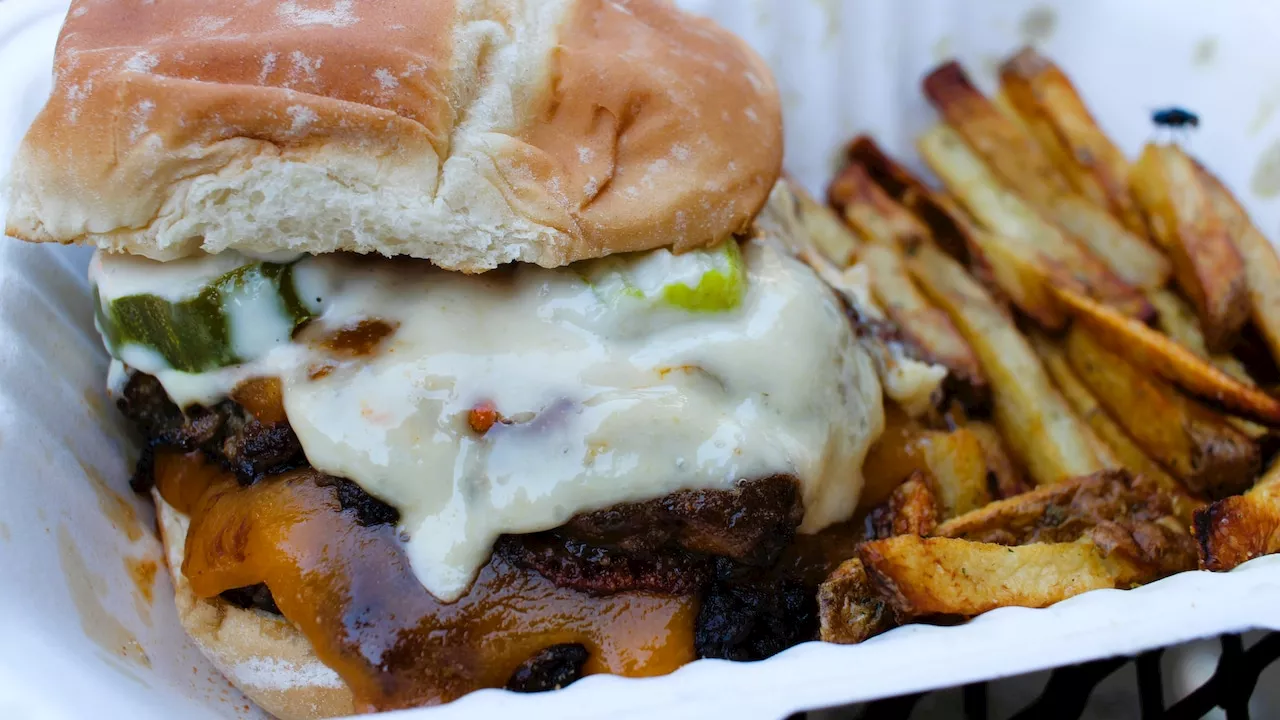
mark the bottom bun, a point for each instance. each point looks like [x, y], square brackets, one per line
[262, 654]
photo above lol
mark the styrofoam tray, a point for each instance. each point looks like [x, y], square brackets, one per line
[78, 640]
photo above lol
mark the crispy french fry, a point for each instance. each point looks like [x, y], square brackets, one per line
[1261, 264]
[870, 211]
[829, 234]
[910, 510]
[1045, 99]
[1018, 160]
[1056, 257]
[1131, 457]
[1155, 353]
[1237, 529]
[1013, 154]
[1074, 508]
[915, 384]
[1041, 429]
[1195, 444]
[849, 610]
[1130, 257]
[920, 577]
[1004, 477]
[1014, 269]
[1185, 221]
[954, 464]
[958, 472]
[949, 225]
[927, 331]
[1178, 320]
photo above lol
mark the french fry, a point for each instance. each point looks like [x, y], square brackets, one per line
[1237, 529]
[954, 465]
[921, 577]
[849, 610]
[910, 510]
[927, 331]
[1069, 510]
[1014, 269]
[1195, 444]
[950, 227]
[1041, 429]
[1154, 353]
[1004, 477]
[1178, 320]
[1054, 257]
[870, 211]
[1261, 264]
[1012, 154]
[915, 384]
[1024, 167]
[1131, 457]
[1049, 105]
[829, 234]
[1185, 221]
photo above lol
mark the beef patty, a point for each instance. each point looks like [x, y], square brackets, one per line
[716, 543]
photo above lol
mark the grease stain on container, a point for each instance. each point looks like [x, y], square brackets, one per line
[941, 49]
[87, 591]
[831, 19]
[1205, 52]
[143, 573]
[990, 65]
[119, 511]
[93, 400]
[1038, 25]
[1265, 110]
[1266, 174]
[4, 532]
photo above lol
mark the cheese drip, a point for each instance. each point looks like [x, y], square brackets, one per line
[600, 399]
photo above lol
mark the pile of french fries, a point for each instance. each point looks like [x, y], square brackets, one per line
[1106, 328]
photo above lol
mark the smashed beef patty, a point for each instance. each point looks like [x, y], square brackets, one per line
[709, 542]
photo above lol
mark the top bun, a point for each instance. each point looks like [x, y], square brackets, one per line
[468, 132]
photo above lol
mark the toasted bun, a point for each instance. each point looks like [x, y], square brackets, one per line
[262, 654]
[467, 132]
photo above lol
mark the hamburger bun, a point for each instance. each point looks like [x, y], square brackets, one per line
[263, 655]
[467, 132]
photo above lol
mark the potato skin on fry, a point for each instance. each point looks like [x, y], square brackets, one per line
[1068, 510]
[1196, 445]
[1155, 353]
[947, 223]
[1022, 164]
[1004, 477]
[910, 510]
[922, 577]
[1261, 263]
[849, 610]
[1130, 456]
[1237, 529]
[1049, 104]
[927, 331]
[1046, 256]
[1185, 221]
[1039, 426]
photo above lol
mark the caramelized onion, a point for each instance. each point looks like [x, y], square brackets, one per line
[351, 592]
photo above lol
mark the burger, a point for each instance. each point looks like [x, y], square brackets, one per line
[461, 345]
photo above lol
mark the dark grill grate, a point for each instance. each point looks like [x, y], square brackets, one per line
[1067, 692]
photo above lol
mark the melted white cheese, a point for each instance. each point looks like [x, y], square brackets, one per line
[608, 402]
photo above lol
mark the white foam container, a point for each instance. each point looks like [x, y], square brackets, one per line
[77, 641]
